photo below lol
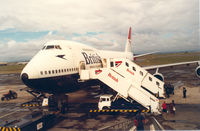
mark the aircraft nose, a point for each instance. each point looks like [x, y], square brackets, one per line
[24, 77]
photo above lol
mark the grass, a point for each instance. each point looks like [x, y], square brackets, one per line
[157, 59]
[11, 69]
[154, 59]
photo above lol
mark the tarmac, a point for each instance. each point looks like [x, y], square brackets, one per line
[187, 115]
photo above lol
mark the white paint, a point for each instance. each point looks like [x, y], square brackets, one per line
[133, 128]
[152, 128]
[45, 102]
[39, 125]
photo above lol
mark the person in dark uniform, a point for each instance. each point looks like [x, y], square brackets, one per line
[139, 121]
[172, 108]
[184, 92]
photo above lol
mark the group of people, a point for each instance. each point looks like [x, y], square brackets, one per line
[140, 120]
[171, 108]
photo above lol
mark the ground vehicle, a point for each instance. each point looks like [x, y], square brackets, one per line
[10, 95]
[109, 102]
[105, 102]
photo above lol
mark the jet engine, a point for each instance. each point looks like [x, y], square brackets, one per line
[161, 77]
[198, 71]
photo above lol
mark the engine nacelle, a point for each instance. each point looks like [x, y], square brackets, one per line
[198, 71]
[159, 76]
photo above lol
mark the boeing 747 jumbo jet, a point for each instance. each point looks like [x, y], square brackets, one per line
[55, 68]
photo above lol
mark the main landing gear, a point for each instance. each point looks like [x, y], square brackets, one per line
[58, 102]
[55, 102]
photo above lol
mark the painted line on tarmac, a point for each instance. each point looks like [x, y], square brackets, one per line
[133, 128]
[152, 128]
[160, 126]
[9, 114]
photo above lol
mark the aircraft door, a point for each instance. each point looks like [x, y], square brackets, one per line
[81, 66]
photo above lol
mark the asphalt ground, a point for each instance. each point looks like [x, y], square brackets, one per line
[178, 76]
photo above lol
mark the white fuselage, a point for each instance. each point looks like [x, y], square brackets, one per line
[57, 64]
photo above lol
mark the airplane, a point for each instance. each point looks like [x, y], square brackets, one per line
[55, 68]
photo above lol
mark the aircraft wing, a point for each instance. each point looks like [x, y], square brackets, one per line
[135, 56]
[168, 65]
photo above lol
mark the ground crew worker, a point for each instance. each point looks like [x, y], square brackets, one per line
[139, 121]
[164, 107]
[166, 89]
[184, 92]
[172, 107]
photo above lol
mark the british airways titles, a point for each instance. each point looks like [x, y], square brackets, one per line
[91, 58]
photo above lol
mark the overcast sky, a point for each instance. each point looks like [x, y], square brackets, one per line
[157, 25]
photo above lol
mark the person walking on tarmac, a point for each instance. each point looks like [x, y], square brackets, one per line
[172, 107]
[164, 107]
[184, 92]
[139, 121]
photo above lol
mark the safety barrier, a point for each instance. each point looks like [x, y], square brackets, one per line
[119, 110]
[9, 129]
[30, 105]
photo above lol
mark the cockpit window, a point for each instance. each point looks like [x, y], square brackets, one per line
[50, 47]
[43, 47]
[57, 47]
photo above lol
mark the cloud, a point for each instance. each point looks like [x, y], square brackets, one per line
[171, 25]
[97, 42]
[20, 51]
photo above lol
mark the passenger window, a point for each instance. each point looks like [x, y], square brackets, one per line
[141, 73]
[67, 70]
[52, 71]
[127, 64]
[150, 78]
[41, 72]
[157, 83]
[49, 72]
[111, 64]
[134, 69]
[56, 71]
[45, 72]
[59, 70]
[64, 70]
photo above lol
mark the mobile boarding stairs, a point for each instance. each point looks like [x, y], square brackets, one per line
[129, 80]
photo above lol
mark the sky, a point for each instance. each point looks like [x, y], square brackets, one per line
[157, 25]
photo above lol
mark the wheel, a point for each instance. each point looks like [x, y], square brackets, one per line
[105, 108]
[14, 95]
[2, 98]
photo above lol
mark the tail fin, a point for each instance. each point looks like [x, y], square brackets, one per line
[128, 43]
